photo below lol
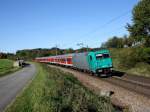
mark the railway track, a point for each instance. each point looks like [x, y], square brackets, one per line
[132, 85]
[137, 84]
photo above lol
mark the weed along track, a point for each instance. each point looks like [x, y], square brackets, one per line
[122, 97]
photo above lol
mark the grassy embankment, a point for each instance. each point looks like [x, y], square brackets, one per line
[132, 60]
[6, 66]
[53, 90]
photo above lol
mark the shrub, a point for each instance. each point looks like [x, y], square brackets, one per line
[129, 57]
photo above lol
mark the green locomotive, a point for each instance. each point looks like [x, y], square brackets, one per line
[94, 61]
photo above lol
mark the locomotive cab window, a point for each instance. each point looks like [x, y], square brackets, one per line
[99, 56]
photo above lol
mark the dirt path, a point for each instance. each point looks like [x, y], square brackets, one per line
[121, 96]
[12, 84]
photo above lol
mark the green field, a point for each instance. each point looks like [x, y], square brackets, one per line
[53, 90]
[6, 66]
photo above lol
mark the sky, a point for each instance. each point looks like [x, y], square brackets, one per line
[28, 24]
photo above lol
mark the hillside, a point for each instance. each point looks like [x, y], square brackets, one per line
[132, 60]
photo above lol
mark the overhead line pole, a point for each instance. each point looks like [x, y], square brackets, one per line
[87, 47]
[56, 49]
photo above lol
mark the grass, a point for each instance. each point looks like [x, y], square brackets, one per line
[119, 60]
[140, 69]
[6, 66]
[53, 90]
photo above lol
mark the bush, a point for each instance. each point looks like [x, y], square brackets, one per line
[129, 57]
[71, 96]
[147, 55]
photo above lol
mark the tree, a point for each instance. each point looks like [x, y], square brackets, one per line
[70, 50]
[140, 28]
[3, 55]
[127, 41]
[114, 42]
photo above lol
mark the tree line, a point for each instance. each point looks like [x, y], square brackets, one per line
[30, 54]
[7, 55]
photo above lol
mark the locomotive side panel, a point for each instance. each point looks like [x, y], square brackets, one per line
[80, 61]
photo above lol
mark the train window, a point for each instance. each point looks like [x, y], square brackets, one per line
[105, 55]
[99, 56]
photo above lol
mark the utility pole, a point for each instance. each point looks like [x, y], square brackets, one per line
[80, 45]
[56, 49]
[87, 48]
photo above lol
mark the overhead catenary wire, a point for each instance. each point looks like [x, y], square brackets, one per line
[107, 23]
[103, 26]
[103, 33]
[116, 29]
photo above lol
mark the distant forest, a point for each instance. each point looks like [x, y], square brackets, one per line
[29, 54]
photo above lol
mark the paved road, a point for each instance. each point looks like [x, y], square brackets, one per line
[11, 85]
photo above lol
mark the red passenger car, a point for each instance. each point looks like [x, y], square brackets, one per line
[60, 59]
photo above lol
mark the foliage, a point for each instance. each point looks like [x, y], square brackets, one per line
[140, 69]
[53, 90]
[67, 51]
[133, 56]
[30, 54]
[3, 55]
[131, 60]
[140, 29]
[6, 66]
[7, 56]
[129, 57]
[117, 42]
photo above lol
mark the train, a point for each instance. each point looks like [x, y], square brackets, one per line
[96, 62]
